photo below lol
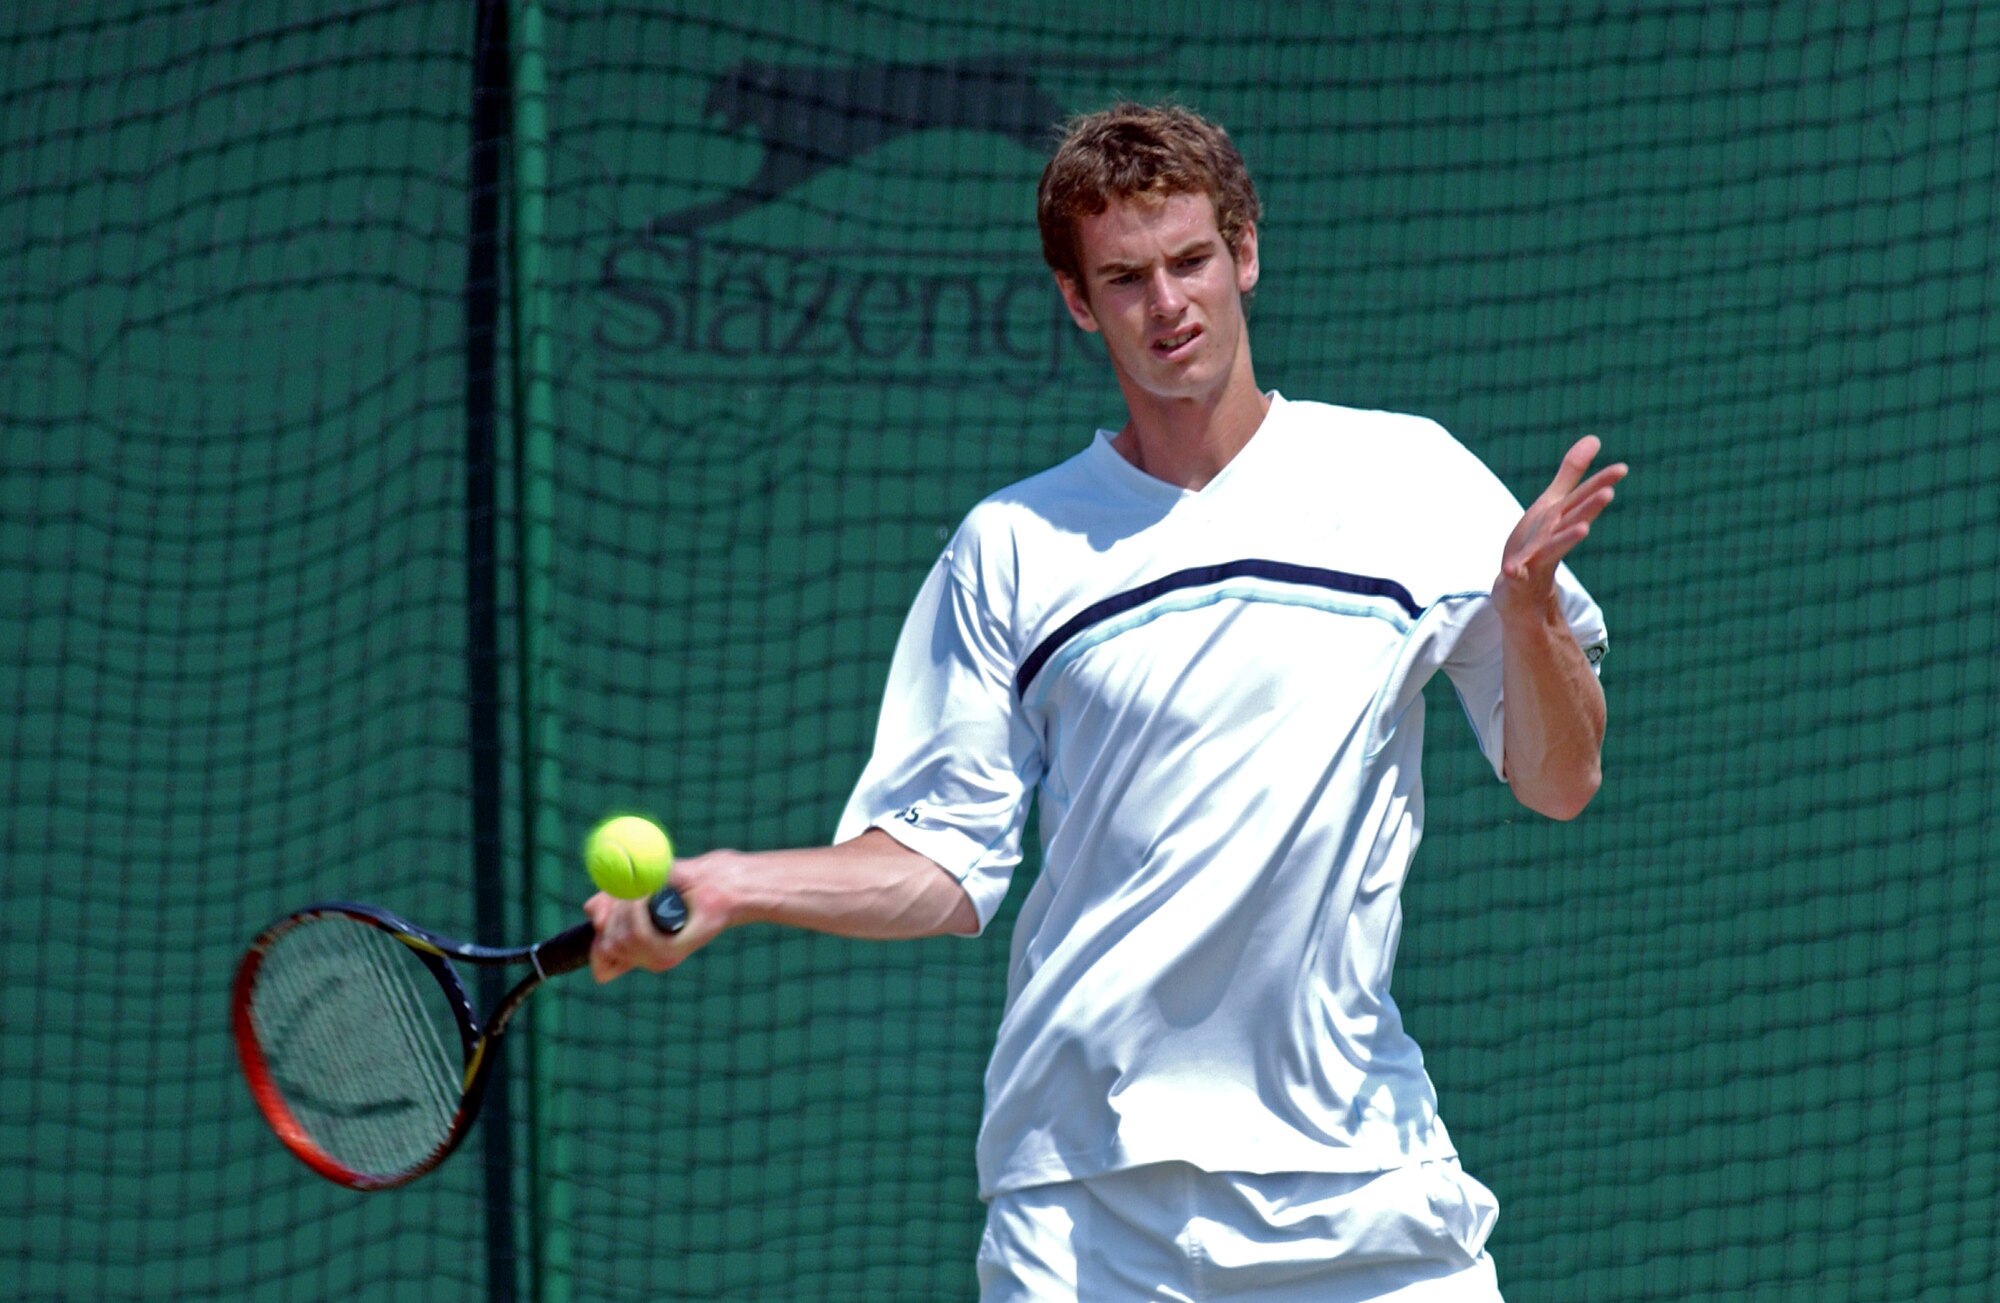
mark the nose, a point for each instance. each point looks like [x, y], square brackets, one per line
[1165, 294]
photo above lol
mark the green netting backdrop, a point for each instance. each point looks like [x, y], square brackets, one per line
[1724, 1037]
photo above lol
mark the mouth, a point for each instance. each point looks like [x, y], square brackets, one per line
[1168, 345]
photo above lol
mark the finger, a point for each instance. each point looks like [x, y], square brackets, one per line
[1574, 463]
[1603, 479]
[1589, 499]
[659, 952]
[619, 946]
[1562, 531]
[1611, 474]
[1584, 506]
[602, 966]
[607, 957]
[1537, 568]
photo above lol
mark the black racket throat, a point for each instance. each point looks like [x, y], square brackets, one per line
[360, 1043]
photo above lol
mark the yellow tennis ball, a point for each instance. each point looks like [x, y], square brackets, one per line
[628, 857]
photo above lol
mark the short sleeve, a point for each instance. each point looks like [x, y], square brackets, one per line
[1484, 513]
[1476, 669]
[954, 763]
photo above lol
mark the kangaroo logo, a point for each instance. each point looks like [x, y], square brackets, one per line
[811, 119]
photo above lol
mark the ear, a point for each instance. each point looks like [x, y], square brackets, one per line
[1246, 259]
[1078, 305]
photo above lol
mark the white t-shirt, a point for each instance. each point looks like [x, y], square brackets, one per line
[1219, 696]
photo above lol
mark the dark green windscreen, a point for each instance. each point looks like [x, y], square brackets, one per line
[1724, 1037]
[231, 522]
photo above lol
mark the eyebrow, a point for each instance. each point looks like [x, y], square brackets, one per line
[1199, 244]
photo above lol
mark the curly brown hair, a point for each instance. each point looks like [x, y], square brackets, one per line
[1129, 150]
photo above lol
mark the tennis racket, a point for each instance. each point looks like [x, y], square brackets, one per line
[360, 1044]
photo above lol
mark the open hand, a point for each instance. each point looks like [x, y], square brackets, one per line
[1553, 524]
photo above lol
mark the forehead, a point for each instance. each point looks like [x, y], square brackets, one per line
[1140, 227]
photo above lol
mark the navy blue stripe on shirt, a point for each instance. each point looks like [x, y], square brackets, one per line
[1200, 576]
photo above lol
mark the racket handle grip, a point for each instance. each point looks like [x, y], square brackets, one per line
[668, 911]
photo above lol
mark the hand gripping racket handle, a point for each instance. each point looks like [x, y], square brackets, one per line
[568, 951]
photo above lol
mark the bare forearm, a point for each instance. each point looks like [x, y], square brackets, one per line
[1553, 728]
[1554, 722]
[872, 887]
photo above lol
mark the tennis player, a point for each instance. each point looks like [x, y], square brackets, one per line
[1201, 644]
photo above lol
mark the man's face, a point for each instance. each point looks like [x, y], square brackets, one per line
[1165, 291]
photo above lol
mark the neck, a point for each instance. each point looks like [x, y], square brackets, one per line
[1187, 441]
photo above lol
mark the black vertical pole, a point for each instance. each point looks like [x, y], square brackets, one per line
[491, 123]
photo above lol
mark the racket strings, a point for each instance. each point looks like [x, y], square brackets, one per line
[362, 1043]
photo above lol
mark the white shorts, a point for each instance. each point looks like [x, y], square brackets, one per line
[1169, 1231]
